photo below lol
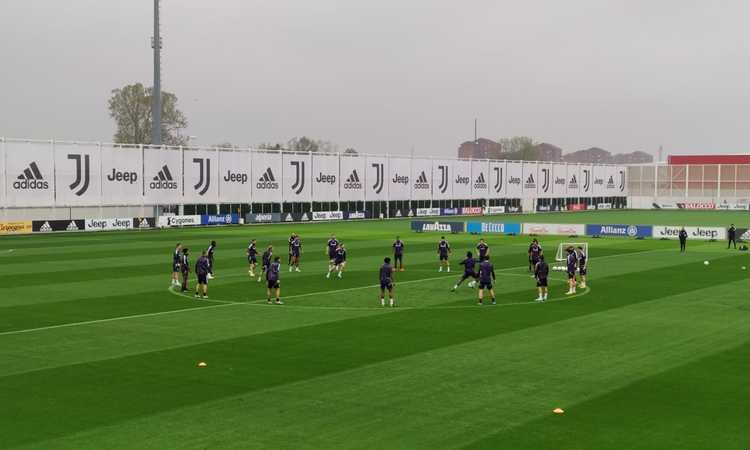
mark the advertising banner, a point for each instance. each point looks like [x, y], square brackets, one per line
[122, 175]
[514, 183]
[491, 227]
[108, 224]
[696, 233]
[355, 215]
[201, 176]
[325, 178]
[558, 229]
[577, 206]
[480, 179]
[297, 178]
[399, 177]
[497, 179]
[221, 219]
[144, 223]
[179, 221]
[262, 217]
[546, 181]
[664, 205]
[77, 175]
[48, 226]
[353, 178]
[423, 212]
[441, 179]
[586, 181]
[444, 227]
[620, 230]
[599, 175]
[604, 206]
[235, 177]
[530, 179]
[732, 206]
[376, 184]
[162, 176]
[697, 205]
[621, 181]
[421, 179]
[495, 210]
[574, 180]
[472, 211]
[327, 215]
[461, 179]
[16, 227]
[30, 175]
[266, 177]
[560, 180]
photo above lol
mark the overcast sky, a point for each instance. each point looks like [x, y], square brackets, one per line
[388, 75]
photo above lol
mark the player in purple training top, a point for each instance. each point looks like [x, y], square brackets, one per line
[386, 282]
[210, 255]
[185, 267]
[535, 253]
[398, 254]
[296, 252]
[266, 261]
[176, 264]
[486, 277]
[469, 265]
[272, 276]
[291, 240]
[484, 250]
[331, 247]
[202, 268]
[444, 251]
[541, 272]
[252, 257]
[572, 262]
[582, 266]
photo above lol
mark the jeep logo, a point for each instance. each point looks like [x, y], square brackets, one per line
[397, 179]
[231, 177]
[462, 180]
[124, 177]
[330, 179]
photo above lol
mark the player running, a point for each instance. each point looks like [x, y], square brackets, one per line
[296, 251]
[185, 266]
[339, 261]
[541, 272]
[582, 266]
[176, 264]
[272, 276]
[486, 277]
[572, 262]
[252, 257]
[484, 250]
[535, 254]
[444, 251]
[202, 270]
[331, 247]
[386, 282]
[398, 254]
[469, 264]
[210, 254]
[266, 261]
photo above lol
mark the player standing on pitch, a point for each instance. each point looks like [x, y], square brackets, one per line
[398, 254]
[210, 254]
[535, 253]
[469, 263]
[572, 262]
[185, 266]
[291, 240]
[296, 251]
[541, 272]
[732, 236]
[176, 265]
[339, 261]
[582, 266]
[444, 251]
[272, 276]
[484, 250]
[683, 240]
[386, 282]
[252, 257]
[486, 277]
[266, 261]
[202, 268]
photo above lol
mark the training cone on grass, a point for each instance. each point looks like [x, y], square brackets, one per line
[558, 411]
[202, 364]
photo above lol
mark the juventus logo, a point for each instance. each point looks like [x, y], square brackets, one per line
[622, 180]
[586, 180]
[299, 182]
[204, 181]
[83, 173]
[545, 180]
[498, 178]
[379, 177]
[443, 186]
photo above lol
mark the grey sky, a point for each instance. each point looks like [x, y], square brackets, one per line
[383, 76]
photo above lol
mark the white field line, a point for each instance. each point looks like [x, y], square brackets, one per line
[221, 303]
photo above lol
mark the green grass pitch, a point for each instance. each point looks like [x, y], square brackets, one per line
[98, 353]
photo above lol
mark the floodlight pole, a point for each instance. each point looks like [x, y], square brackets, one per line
[156, 93]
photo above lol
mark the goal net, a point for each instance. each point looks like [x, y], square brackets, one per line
[562, 253]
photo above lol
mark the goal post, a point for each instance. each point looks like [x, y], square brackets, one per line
[562, 252]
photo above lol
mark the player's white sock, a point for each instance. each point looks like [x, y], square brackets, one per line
[339, 274]
[545, 296]
[449, 268]
[328, 275]
[382, 301]
[391, 302]
[441, 269]
[291, 268]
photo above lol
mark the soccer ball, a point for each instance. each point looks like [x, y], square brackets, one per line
[705, 262]
[472, 284]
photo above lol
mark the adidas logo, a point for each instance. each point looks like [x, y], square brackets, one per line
[398, 213]
[163, 179]
[573, 183]
[480, 182]
[45, 228]
[72, 226]
[353, 181]
[422, 182]
[530, 183]
[288, 218]
[267, 181]
[31, 178]
[611, 182]
[144, 223]
[305, 218]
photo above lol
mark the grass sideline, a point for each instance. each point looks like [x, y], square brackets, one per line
[99, 354]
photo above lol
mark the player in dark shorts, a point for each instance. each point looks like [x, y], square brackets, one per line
[252, 257]
[444, 252]
[484, 250]
[185, 267]
[731, 236]
[535, 253]
[266, 261]
[339, 261]
[202, 267]
[386, 282]
[296, 251]
[272, 276]
[683, 240]
[210, 254]
[486, 277]
[469, 265]
[291, 240]
[582, 266]
[572, 263]
[176, 256]
[541, 272]
[398, 254]
[331, 247]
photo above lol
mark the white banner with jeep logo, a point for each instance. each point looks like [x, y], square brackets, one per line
[266, 177]
[77, 175]
[162, 178]
[235, 183]
[461, 179]
[352, 181]
[327, 215]
[695, 233]
[122, 181]
[108, 224]
[399, 179]
[421, 179]
[201, 176]
[514, 182]
[325, 178]
[29, 174]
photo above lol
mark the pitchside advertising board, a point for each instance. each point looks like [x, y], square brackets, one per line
[220, 219]
[620, 230]
[493, 228]
[696, 233]
[423, 212]
[443, 227]
[262, 217]
[560, 229]
[108, 224]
